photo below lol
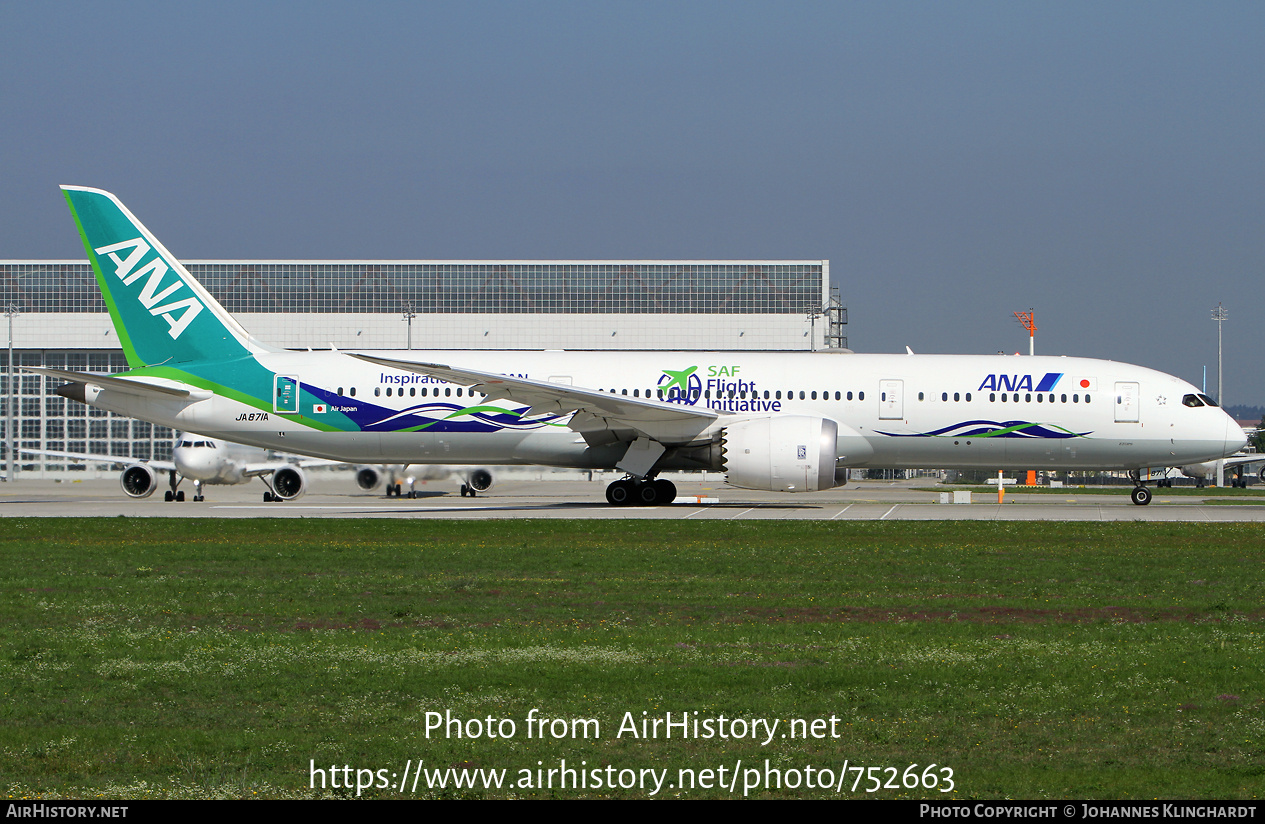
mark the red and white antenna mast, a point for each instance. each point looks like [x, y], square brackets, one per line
[1029, 321]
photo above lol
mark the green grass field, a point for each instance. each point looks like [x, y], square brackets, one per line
[223, 658]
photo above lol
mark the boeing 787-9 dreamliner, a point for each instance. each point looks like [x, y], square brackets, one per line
[783, 421]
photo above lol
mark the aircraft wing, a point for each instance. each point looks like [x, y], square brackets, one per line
[1244, 460]
[253, 470]
[132, 386]
[658, 420]
[165, 466]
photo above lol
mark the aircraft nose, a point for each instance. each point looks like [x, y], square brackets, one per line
[1235, 437]
[193, 463]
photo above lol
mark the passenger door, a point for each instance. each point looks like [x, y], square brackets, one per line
[891, 404]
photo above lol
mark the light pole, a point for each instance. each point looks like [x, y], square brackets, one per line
[813, 314]
[11, 312]
[1219, 315]
[408, 316]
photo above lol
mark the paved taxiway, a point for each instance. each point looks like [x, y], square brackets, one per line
[328, 497]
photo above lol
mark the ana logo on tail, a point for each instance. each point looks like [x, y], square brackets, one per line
[128, 272]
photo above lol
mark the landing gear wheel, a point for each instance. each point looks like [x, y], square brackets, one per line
[619, 493]
[464, 490]
[269, 497]
[1140, 495]
[647, 494]
[666, 490]
[180, 496]
[169, 496]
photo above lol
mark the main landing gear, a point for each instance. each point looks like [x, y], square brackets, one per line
[634, 492]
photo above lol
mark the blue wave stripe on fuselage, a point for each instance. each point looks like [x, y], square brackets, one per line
[986, 429]
[370, 417]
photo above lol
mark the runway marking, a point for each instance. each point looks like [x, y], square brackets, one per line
[840, 512]
[740, 514]
[889, 512]
[695, 512]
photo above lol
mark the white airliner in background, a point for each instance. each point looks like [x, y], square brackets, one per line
[205, 461]
[783, 421]
[211, 461]
[474, 479]
[1205, 471]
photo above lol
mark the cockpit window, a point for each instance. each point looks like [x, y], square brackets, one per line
[1207, 400]
[1191, 401]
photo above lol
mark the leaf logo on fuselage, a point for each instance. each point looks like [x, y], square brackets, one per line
[179, 313]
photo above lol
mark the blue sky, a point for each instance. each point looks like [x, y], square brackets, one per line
[1099, 163]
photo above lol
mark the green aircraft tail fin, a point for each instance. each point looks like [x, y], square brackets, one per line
[160, 312]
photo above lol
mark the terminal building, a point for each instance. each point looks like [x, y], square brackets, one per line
[58, 319]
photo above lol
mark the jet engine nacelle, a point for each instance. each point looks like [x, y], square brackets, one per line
[368, 478]
[288, 483]
[480, 480]
[784, 453]
[138, 481]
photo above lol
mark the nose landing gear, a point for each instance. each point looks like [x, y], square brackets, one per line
[1140, 494]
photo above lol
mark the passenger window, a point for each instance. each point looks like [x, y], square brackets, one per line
[956, 397]
[944, 396]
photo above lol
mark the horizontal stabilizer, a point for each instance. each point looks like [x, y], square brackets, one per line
[131, 386]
